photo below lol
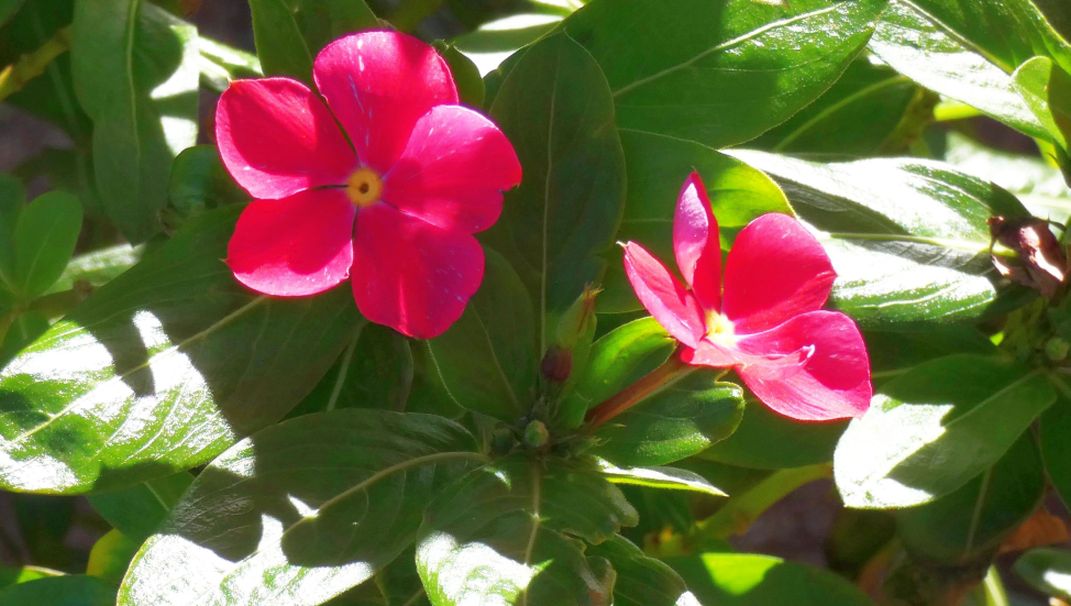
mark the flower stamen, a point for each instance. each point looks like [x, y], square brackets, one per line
[364, 187]
[720, 329]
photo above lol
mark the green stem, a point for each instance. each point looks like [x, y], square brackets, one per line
[742, 509]
[669, 372]
[31, 65]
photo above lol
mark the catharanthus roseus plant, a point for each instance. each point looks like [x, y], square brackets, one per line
[390, 201]
[402, 302]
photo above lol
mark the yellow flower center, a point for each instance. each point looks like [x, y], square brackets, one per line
[720, 329]
[364, 187]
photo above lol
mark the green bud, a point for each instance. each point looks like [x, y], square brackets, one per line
[1057, 349]
[536, 434]
[578, 319]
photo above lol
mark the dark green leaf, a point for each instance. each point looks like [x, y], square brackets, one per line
[136, 73]
[466, 75]
[138, 510]
[487, 358]
[161, 369]
[97, 268]
[931, 430]
[682, 419]
[8, 8]
[1047, 570]
[894, 352]
[930, 51]
[514, 551]
[300, 512]
[24, 328]
[767, 440]
[556, 108]
[642, 581]
[866, 112]
[1056, 446]
[909, 239]
[969, 524]
[71, 590]
[12, 198]
[741, 579]
[289, 33]
[24, 574]
[199, 182]
[720, 73]
[657, 167]
[45, 236]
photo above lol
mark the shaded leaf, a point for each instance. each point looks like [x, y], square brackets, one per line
[289, 33]
[1055, 438]
[1047, 570]
[110, 556]
[66, 590]
[1047, 91]
[496, 40]
[767, 440]
[301, 511]
[642, 581]
[45, 236]
[137, 511]
[144, 379]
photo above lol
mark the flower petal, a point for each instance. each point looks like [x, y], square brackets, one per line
[663, 295]
[775, 270]
[379, 84]
[411, 275]
[296, 246]
[696, 243]
[277, 138]
[832, 382]
[453, 170]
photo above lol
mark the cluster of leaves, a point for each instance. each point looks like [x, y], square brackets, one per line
[334, 461]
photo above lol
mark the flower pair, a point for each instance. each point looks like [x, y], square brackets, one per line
[392, 198]
[762, 315]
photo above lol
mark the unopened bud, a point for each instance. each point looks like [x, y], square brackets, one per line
[1057, 349]
[536, 434]
[578, 319]
[557, 364]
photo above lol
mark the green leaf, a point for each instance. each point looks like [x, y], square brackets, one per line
[26, 327]
[97, 268]
[67, 590]
[222, 64]
[931, 430]
[12, 199]
[137, 511]
[1047, 91]
[1047, 570]
[1056, 447]
[1040, 187]
[288, 33]
[24, 574]
[199, 182]
[878, 104]
[301, 511]
[894, 352]
[556, 108]
[682, 419]
[908, 238]
[111, 555]
[514, 551]
[723, 73]
[931, 52]
[487, 358]
[663, 478]
[642, 581]
[742, 579]
[767, 440]
[8, 8]
[145, 378]
[969, 524]
[376, 370]
[466, 74]
[619, 358]
[136, 73]
[45, 236]
[496, 40]
[657, 167]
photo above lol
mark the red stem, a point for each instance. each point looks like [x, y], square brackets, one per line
[628, 397]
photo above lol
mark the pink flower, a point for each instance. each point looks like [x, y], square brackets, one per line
[768, 325]
[393, 198]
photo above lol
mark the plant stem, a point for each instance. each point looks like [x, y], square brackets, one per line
[31, 65]
[670, 371]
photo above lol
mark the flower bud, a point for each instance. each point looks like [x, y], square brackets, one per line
[536, 434]
[557, 364]
[578, 319]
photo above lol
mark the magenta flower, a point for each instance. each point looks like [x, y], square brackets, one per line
[768, 325]
[392, 199]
